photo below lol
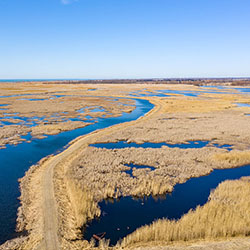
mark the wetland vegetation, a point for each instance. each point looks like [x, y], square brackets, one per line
[180, 137]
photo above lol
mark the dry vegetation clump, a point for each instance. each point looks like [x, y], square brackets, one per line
[11, 134]
[52, 129]
[103, 170]
[225, 215]
[83, 203]
[154, 187]
[14, 244]
[236, 158]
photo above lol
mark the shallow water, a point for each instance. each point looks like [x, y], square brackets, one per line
[15, 160]
[36, 120]
[189, 144]
[243, 105]
[122, 216]
[244, 90]
[167, 92]
[162, 93]
[34, 99]
[130, 171]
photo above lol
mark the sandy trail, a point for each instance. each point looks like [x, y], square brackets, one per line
[51, 239]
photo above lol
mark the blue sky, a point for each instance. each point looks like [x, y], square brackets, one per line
[124, 38]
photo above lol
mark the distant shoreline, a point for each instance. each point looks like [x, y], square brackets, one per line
[239, 81]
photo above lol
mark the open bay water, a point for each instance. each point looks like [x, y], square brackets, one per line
[16, 160]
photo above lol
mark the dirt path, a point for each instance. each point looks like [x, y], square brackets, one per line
[51, 239]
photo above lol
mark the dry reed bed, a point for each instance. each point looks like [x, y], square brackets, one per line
[88, 174]
[102, 171]
[223, 127]
[225, 215]
[52, 129]
[234, 158]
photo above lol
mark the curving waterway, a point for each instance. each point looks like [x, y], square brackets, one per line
[16, 160]
[121, 217]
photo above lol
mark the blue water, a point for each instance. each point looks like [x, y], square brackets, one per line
[4, 106]
[184, 92]
[243, 105]
[130, 171]
[163, 93]
[241, 90]
[35, 120]
[167, 92]
[122, 216]
[194, 93]
[189, 144]
[34, 99]
[15, 160]
[97, 110]
[244, 90]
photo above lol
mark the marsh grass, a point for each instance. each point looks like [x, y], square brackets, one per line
[226, 214]
[151, 187]
[83, 203]
[236, 158]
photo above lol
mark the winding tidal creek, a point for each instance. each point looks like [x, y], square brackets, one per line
[119, 216]
[16, 160]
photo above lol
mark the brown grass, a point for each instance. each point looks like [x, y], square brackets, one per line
[83, 203]
[235, 158]
[215, 102]
[154, 187]
[226, 214]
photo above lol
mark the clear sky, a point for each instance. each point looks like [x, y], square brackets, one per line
[124, 38]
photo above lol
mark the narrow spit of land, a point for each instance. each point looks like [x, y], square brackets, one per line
[51, 239]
